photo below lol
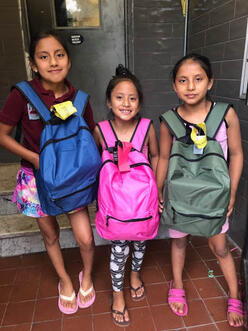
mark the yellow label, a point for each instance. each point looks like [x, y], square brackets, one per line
[63, 110]
[199, 141]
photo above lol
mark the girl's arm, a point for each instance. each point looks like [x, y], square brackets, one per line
[8, 142]
[98, 138]
[165, 148]
[235, 154]
[153, 148]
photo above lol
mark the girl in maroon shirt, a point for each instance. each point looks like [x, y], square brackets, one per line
[50, 61]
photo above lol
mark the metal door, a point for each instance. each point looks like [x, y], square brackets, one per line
[95, 50]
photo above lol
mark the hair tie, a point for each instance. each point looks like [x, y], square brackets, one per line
[121, 71]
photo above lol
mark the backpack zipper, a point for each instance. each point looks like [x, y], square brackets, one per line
[50, 141]
[131, 165]
[129, 220]
[192, 215]
[70, 194]
[198, 159]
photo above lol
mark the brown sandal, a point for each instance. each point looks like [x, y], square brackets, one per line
[124, 323]
[138, 298]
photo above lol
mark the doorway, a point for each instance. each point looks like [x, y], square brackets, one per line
[96, 32]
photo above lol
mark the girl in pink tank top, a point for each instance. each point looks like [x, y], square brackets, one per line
[192, 78]
[124, 97]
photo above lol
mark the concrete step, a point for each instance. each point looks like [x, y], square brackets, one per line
[8, 173]
[20, 234]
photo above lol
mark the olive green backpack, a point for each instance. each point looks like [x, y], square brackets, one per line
[197, 188]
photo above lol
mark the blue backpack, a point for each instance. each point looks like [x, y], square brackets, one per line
[69, 158]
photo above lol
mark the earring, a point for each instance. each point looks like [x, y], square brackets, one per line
[35, 70]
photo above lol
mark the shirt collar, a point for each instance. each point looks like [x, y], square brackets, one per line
[40, 89]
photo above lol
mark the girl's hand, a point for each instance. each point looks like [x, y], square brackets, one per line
[230, 206]
[160, 205]
[35, 161]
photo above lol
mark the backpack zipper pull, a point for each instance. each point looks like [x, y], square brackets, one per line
[107, 222]
[174, 215]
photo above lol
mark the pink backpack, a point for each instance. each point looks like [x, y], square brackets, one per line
[127, 194]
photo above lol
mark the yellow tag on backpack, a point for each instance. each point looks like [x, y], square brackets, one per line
[200, 141]
[63, 110]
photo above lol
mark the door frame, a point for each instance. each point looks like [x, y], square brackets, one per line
[128, 31]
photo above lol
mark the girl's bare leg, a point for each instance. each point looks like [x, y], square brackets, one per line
[218, 245]
[49, 229]
[178, 250]
[83, 234]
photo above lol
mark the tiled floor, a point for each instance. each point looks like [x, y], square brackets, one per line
[28, 292]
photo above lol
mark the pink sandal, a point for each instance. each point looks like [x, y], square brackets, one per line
[84, 294]
[63, 309]
[177, 295]
[234, 306]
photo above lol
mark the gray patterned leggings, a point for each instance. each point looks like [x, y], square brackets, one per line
[118, 258]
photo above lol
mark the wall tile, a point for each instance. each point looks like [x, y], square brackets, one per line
[148, 4]
[227, 88]
[178, 30]
[241, 8]
[222, 14]
[234, 49]
[217, 34]
[145, 59]
[158, 45]
[231, 69]
[199, 23]
[216, 67]
[156, 85]
[238, 28]
[154, 72]
[153, 30]
[166, 15]
[161, 99]
[214, 52]
[197, 40]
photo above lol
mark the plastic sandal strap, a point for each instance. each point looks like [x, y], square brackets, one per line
[66, 298]
[85, 293]
[138, 288]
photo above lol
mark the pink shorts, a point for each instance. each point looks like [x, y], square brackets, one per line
[26, 196]
[178, 234]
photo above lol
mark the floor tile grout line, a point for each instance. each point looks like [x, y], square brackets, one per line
[62, 322]
[203, 302]
[35, 303]
[159, 267]
[4, 314]
[10, 294]
[167, 283]
[153, 321]
[200, 325]
[220, 287]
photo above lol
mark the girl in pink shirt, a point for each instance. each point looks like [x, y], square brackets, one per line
[192, 78]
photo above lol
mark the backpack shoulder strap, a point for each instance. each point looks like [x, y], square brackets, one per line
[173, 123]
[80, 102]
[29, 93]
[108, 133]
[140, 133]
[215, 118]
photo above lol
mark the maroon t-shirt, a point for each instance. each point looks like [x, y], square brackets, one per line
[17, 109]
